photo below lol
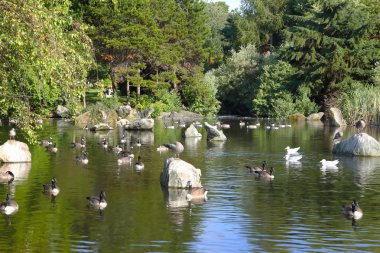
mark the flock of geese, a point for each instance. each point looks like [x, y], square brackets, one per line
[10, 206]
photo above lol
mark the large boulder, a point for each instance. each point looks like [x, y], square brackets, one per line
[315, 116]
[14, 151]
[333, 117]
[192, 131]
[140, 124]
[358, 145]
[176, 173]
[20, 170]
[214, 134]
[183, 116]
[62, 112]
[96, 117]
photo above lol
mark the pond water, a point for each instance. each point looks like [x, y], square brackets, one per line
[299, 210]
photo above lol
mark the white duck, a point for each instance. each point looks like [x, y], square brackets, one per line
[292, 158]
[329, 163]
[291, 151]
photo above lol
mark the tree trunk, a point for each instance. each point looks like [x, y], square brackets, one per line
[138, 88]
[128, 91]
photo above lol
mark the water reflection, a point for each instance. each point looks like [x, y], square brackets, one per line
[364, 168]
[145, 137]
[20, 170]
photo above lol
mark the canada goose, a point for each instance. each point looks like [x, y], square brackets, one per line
[138, 144]
[241, 123]
[52, 148]
[139, 165]
[291, 151]
[83, 157]
[116, 149]
[176, 147]
[251, 126]
[45, 143]
[104, 143]
[253, 169]
[51, 188]
[265, 175]
[7, 176]
[81, 144]
[353, 210]
[360, 125]
[127, 153]
[97, 202]
[12, 134]
[329, 163]
[9, 206]
[124, 160]
[195, 193]
[292, 158]
[123, 139]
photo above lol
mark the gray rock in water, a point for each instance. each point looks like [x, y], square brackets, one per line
[62, 111]
[15, 152]
[315, 116]
[192, 131]
[359, 145]
[140, 124]
[176, 173]
[334, 117]
[90, 119]
[214, 134]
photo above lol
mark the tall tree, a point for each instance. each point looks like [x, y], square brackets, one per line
[216, 14]
[44, 58]
[331, 46]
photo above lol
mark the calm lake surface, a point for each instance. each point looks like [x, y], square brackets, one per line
[298, 211]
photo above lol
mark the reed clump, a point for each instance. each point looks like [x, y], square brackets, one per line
[361, 103]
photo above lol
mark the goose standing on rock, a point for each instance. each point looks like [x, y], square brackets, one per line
[9, 206]
[51, 188]
[98, 202]
[353, 211]
[12, 134]
[176, 147]
[360, 125]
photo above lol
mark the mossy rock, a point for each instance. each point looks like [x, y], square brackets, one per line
[92, 118]
[297, 117]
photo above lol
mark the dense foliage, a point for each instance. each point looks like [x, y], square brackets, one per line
[44, 58]
[270, 58]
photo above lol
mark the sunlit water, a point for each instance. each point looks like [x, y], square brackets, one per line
[299, 210]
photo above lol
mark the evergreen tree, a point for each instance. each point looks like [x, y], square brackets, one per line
[330, 45]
